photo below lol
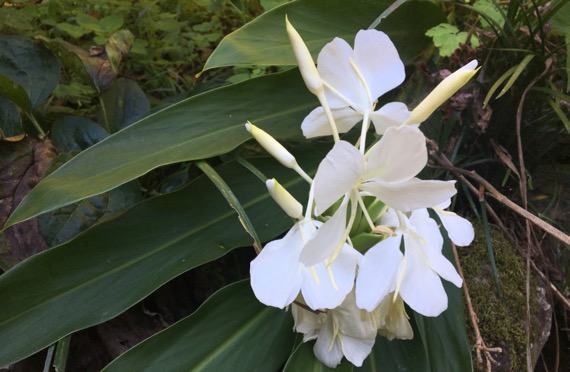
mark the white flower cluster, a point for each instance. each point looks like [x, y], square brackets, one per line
[343, 298]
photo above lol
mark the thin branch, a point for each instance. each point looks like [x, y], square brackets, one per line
[504, 200]
[479, 343]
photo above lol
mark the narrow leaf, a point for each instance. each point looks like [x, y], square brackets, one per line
[200, 127]
[232, 200]
[497, 84]
[115, 264]
[519, 69]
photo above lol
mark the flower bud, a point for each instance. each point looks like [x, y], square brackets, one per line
[306, 64]
[285, 200]
[442, 92]
[271, 145]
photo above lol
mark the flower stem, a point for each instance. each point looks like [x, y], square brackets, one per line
[365, 211]
[323, 100]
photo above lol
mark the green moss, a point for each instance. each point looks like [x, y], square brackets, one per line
[501, 317]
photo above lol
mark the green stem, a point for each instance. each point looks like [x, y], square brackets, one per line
[61, 352]
[37, 125]
[105, 118]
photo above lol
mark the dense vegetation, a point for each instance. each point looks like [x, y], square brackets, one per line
[141, 234]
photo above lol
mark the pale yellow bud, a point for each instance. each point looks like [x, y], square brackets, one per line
[442, 92]
[285, 200]
[271, 145]
[306, 64]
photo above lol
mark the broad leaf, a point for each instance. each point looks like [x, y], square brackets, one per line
[30, 66]
[232, 329]
[74, 134]
[115, 264]
[10, 120]
[397, 355]
[124, 103]
[264, 41]
[202, 126]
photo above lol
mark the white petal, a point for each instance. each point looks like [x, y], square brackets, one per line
[307, 322]
[399, 155]
[390, 218]
[318, 288]
[356, 349]
[413, 194]
[337, 174]
[431, 246]
[378, 61]
[335, 69]
[327, 348]
[377, 273]
[327, 239]
[316, 123]
[445, 269]
[459, 229]
[276, 273]
[390, 115]
[421, 287]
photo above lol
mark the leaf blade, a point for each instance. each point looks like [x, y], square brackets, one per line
[215, 338]
[217, 126]
[105, 270]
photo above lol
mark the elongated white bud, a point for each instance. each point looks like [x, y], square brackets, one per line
[306, 64]
[442, 92]
[285, 200]
[271, 145]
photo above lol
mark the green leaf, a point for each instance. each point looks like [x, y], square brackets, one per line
[264, 41]
[88, 22]
[232, 329]
[303, 359]
[232, 200]
[124, 103]
[29, 65]
[74, 134]
[397, 355]
[561, 25]
[10, 120]
[447, 38]
[111, 23]
[68, 55]
[202, 126]
[489, 9]
[15, 93]
[115, 264]
[516, 73]
[118, 46]
[63, 224]
[74, 31]
[444, 337]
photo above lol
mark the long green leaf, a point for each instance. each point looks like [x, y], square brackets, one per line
[444, 337]
[264, 41]
[115, 264]
[232, 330]
[200, 127]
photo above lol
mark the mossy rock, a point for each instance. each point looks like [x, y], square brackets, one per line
[501, 313]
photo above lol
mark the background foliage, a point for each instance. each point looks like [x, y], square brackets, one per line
[103, 104]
